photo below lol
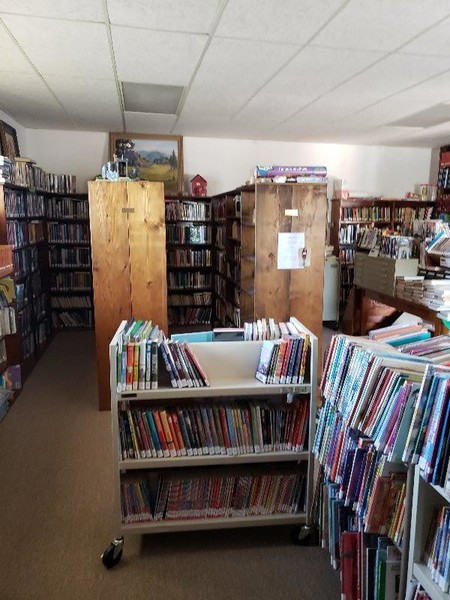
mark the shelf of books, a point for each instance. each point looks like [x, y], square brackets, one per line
[357, 224]
[69, 258]
[189, 262]
[379, 399]
[199, 441]
[10, 373]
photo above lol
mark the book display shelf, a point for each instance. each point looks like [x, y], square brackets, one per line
[189, 262]
[8, 338]
[350, 217]
[24, 228]
[429, 566]
[385, 411]
[443, 184]
[69, 259]
[214, 473]
[231, 258]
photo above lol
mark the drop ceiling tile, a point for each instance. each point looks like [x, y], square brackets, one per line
[292, 21]
[144, 56]
[230, 73]
[434, 42]
[89, 102]
[381, 24]
[136, 122]
[68, 48]
[12, 58]
[78, 10]
[195, 16]
[25, 97]
[316, 70]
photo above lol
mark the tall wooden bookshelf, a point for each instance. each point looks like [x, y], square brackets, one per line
[189, 262]
[248, 283]
[231, 368]
[69, 259]
[349, 216]
[128, 242]
[23, 229]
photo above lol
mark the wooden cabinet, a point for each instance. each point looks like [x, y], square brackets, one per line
[128, 240]
[251, 285]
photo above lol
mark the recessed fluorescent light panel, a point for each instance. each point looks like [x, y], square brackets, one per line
[151, 98]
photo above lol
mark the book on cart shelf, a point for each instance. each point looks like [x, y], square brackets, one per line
[235, 453]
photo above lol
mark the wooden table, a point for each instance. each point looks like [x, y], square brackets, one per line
[372, 309]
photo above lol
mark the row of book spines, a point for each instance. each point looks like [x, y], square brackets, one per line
[213, 497]
[287, 362]
[379, 500]
[137, 366]
[436, 552]
[182, 365]
[212, 430]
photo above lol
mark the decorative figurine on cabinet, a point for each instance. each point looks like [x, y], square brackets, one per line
[198, 186]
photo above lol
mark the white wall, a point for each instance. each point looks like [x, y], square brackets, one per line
[228, 163]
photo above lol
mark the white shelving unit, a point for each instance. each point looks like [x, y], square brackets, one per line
[426, 498]
[231, 368]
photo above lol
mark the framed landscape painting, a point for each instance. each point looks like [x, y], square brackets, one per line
[156, 157]
[8, 140]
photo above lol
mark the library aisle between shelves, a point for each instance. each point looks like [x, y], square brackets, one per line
[56, 494]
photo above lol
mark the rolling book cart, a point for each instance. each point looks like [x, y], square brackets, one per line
[260, 473]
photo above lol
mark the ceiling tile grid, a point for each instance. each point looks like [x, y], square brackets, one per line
[335, 70]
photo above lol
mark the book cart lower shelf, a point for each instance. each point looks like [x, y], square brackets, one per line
[258, 485]
[427, 500]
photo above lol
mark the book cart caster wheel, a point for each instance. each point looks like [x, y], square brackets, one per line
[113, 553]
[301, 535]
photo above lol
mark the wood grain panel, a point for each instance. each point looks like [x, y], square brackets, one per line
[306, 292]
[111, 271]
[271, 283]
[147, 235]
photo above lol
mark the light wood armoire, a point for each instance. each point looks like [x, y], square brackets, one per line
[128, 240]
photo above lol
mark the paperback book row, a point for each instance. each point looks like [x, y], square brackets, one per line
[183, 210]
[185, 257]
[366, 213]
[371, 489]
[189, 279]
[67, 208]
[25, 173]
[69, 233]
[402, 405]
[284, 361]
[369, 563]
[69, 257]
[20, 204]
[188, 234]
[218, 493]
[404, 335]
[199, 298]
[71, 302]
[189, 315]
[219, 429]
[140, 343]
[72, 320]
[71, 281]
[436, 553]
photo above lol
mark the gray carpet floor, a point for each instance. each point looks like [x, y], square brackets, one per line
[56, 517]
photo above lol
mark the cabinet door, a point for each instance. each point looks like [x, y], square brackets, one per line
[280, 293]
[147, 243]
[110, 269]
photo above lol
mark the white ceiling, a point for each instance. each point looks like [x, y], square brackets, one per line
[350, 71]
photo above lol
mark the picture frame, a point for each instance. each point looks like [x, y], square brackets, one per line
[155, 157]
[9, 144]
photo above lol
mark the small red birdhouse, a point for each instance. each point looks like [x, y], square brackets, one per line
[198, 185]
